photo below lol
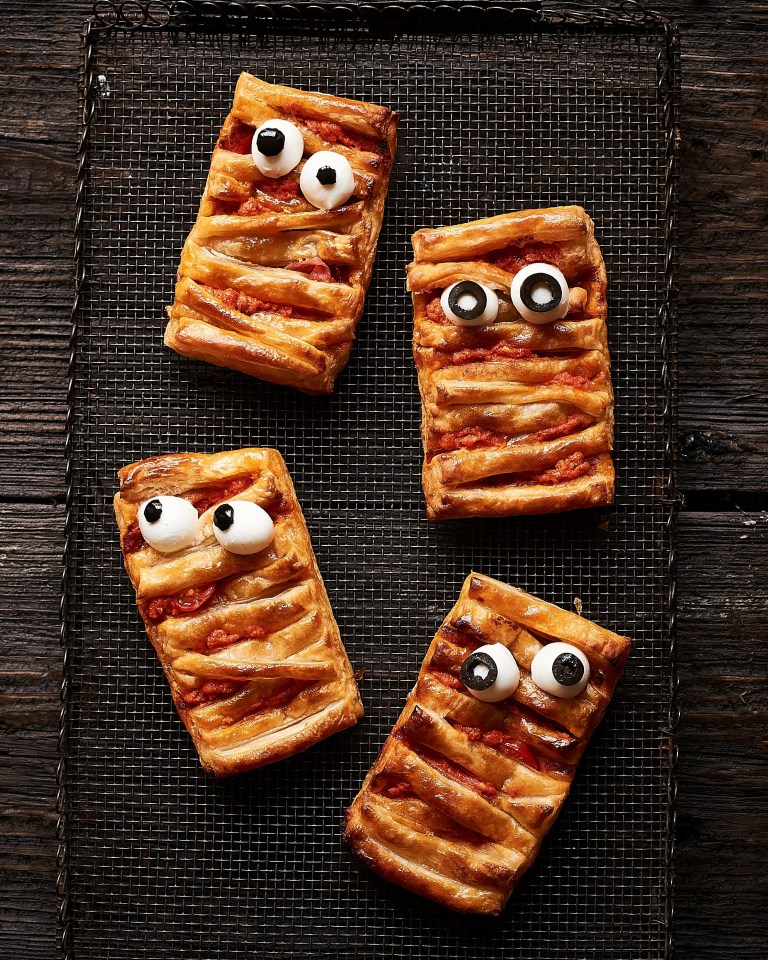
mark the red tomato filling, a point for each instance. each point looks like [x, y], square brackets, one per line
[251, 305]
[570, 468]
[573, 424]
[572, 380]
[449, 768]
[238, 138]
[333, 133]
[205, 499]
[470, 438]
[315, 269]
[220, 639]
[499, 351]
[514, 258]
[500, 741]
[210, 692]
[133, 540]
[275, 700]
[180, 604]
[398, 790]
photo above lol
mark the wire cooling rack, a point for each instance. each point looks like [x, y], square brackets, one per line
[503, 107]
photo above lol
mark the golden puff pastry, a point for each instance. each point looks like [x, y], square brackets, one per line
[482, 757]
[273, 276]
[514, 372]
[234, 605]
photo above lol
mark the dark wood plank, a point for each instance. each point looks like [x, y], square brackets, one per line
[722, 847]
[30, 568]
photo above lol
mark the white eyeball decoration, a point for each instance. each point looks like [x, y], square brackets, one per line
[561, 670]
[539, 293]
[168, 524]
[277, 147]
[327, 180]
[242, 527]
[490, 673]
[470, 304]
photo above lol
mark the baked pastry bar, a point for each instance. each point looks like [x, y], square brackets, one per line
[273, 276]
[233, 602]
[512, 356]
[481, 759]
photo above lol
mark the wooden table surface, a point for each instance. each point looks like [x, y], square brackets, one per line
[722, 836]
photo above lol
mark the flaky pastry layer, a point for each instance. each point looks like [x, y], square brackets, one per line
[458, 801]
[267, 284]
[517, 418]
[249, 644]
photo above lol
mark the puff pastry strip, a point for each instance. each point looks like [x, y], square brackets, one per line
[517, 418]
[249, 644]
[268, 284]
[462, 793]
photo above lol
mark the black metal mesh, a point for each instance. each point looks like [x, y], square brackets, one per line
[165, 862]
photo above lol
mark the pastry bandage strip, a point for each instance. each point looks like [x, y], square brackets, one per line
[268, 284]
[517, 417]
[458, 801]
[249, 644]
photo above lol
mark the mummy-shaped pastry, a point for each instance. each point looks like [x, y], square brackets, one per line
[273, 276]
[512, 356]
[233, 602]
[482, 757]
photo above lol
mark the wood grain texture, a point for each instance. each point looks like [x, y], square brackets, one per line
[723, 635]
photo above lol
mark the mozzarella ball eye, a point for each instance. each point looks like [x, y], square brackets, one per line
[490, 673]
[327, 180]
[560, 669]
[168, 523]
[277, 147]
[242, 527]
[470, 304]
[540, 293]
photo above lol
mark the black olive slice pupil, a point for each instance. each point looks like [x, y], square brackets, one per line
[567, 669]
[534, 283]
[153, 511]
[479, 671]
[224, 516]
[270, 141]
[326, 175]
[470, 290]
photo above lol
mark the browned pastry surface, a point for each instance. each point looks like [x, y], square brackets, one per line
[268, 284]
[249, 644]
[517, 418]
[462, 793]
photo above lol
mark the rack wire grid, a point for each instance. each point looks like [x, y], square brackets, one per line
[501, 109]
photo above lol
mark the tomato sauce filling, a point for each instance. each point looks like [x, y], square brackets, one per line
[565, 470]
[470, 438]
[573, 424]
[572, 380]
[499, 351]
[209, 692]
[334, 133]
[281, 190]
[452, 770]
[238, 138]
[251, 305]
[315, 269]
[515, 257]
[181, 604]
[220, 639]
[275, 700]
[213, 494]
[399, 790]
[515, 749]
[474, 438]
